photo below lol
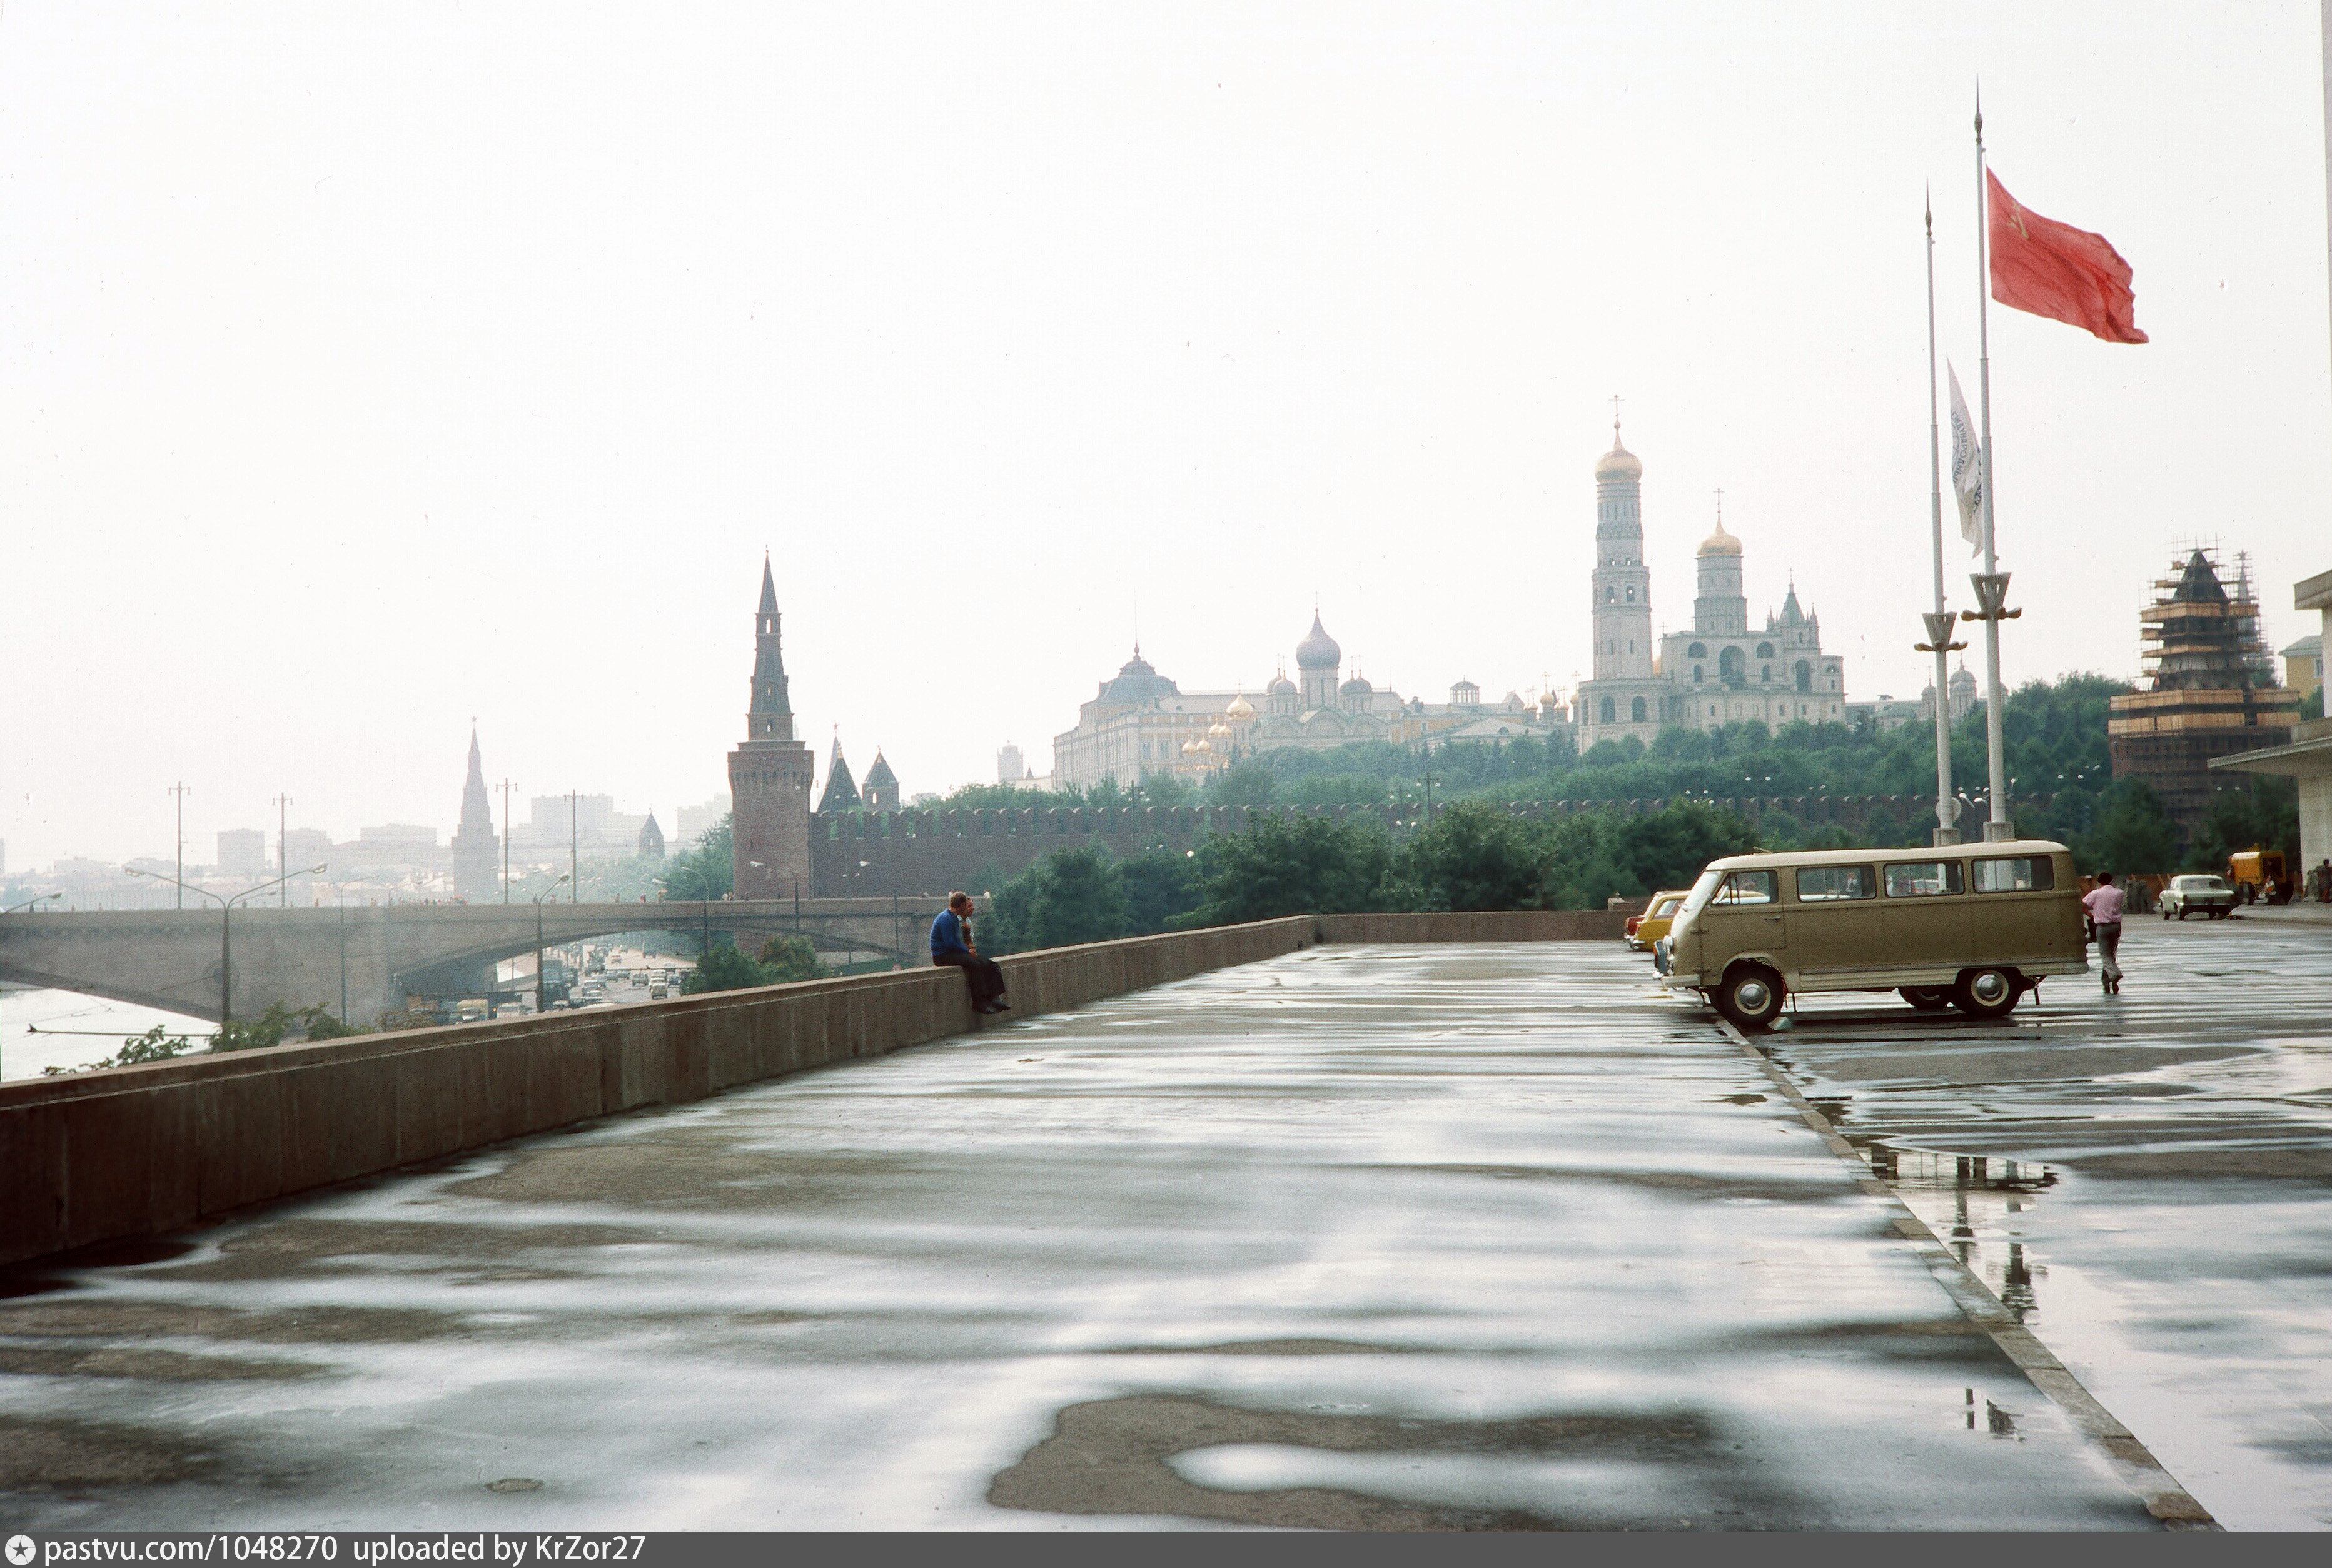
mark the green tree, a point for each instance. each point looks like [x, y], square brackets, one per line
[789, 958]
[1082, 900]
[708, 871]
[1294, 866]
[1596, 856]
[2132, 833]
[1162, 890]
[2262, 811]
[1474, 856]
[723, 968]
[280, 1020]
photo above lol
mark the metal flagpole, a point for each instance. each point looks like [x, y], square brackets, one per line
[1992, 585]
[1940, 621]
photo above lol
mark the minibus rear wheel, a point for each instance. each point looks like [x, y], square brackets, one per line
[1928, 998]
[1988, 992]
[1751, 996]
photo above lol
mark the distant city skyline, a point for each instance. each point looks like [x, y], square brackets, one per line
[369, 375]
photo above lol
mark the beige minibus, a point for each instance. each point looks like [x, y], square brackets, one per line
[1972, 926]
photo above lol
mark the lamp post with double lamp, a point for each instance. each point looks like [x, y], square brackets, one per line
[538, 898]
[226, 925]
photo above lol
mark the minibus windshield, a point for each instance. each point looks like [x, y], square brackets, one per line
[1702, 891]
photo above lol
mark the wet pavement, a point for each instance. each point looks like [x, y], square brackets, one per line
[1440, 1237]
[2146, 1179]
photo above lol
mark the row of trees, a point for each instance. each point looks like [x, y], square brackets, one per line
[2055, 749]
[1473, 856]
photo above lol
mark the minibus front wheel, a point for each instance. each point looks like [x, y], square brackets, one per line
[1988, 992]
[1751, 996]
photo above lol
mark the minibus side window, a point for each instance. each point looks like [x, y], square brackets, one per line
[1750, 888]
[1924, 879]
[1829, 884]
[2036, 875]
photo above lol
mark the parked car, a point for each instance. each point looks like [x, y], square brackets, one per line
[2198, 893]
[1649, 926]
[1972, 926]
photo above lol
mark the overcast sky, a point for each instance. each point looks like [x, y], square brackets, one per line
[368, 368]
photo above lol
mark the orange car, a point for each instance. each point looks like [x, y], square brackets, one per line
[1649, 926]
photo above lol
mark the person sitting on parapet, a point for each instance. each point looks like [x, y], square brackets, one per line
[952, 945]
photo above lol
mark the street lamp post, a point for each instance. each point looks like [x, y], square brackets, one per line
[226, 927]
[179, 790]
[283, 856]
[538, 898]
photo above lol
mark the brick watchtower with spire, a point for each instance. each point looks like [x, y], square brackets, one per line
[477, 870]
[770, 775]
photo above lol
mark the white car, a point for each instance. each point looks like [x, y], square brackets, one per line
[2205, 895]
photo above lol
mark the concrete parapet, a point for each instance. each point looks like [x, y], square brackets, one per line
[140, 1151]
[1476, 925]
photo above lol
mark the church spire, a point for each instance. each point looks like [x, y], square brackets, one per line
[770, 715]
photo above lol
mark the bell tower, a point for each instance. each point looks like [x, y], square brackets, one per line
[1622, 583]
[770, 775]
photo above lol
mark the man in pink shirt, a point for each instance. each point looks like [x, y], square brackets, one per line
[2104, 905]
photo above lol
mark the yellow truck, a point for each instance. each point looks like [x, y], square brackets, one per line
[2259, 873]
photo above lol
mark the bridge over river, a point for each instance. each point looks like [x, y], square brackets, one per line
[366, 960]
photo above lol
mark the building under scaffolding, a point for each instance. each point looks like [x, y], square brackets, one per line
[2208, 690]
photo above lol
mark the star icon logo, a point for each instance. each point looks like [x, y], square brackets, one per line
[20, 1550]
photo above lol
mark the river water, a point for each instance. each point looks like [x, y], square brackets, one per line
[86, 1028]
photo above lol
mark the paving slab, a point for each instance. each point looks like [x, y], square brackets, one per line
[1437, 1237]
[2146, 1179]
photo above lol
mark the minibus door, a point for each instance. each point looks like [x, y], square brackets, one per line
[1744, 915]
[1925, 916]
[1833, 924]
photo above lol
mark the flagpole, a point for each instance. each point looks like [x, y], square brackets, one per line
[1992, 591]
[1939, 624]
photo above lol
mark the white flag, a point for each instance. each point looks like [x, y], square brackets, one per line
[1967, 467]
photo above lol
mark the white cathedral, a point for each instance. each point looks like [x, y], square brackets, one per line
[1720, 673]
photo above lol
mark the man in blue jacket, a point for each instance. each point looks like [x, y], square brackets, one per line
[952, 945]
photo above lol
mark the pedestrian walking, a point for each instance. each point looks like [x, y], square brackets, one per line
[2104, 905]
[951, 946]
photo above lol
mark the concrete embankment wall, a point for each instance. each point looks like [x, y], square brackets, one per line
[142, 1151]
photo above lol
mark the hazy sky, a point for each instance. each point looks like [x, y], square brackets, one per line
[367, 367]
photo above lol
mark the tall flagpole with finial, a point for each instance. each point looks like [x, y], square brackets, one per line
[1939, 620]
[1992, 585]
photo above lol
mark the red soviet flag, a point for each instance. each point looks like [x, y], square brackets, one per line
[2057, 270]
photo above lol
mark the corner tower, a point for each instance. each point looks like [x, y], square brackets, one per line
[476, 849]
[770, 775]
